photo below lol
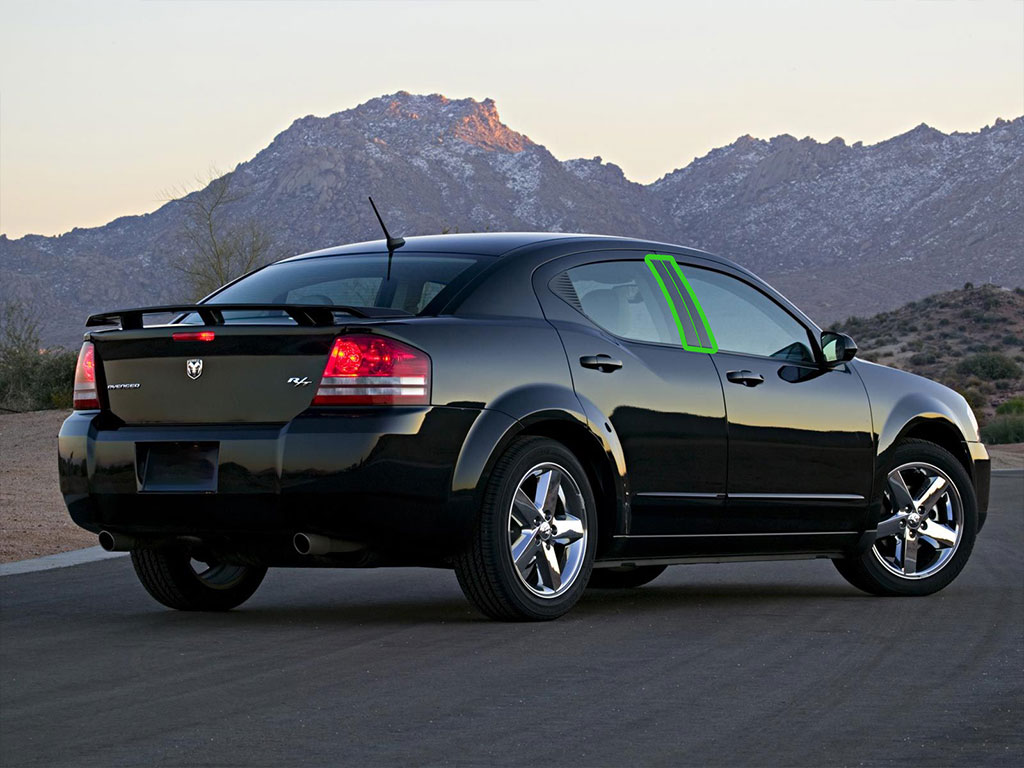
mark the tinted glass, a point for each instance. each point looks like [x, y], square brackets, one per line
[745, 320]
[623, 298]
[416, 280]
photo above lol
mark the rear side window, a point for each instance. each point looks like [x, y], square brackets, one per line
[623, 298]
[417, 281]
[745, 320]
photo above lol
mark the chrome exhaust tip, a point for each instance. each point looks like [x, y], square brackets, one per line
[314, 544]
[116, 542]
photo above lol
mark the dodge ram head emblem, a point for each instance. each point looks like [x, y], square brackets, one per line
[194, 368]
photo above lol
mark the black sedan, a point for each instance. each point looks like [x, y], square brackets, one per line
[540, 412]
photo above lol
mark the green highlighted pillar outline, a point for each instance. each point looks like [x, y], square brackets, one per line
[694, 329]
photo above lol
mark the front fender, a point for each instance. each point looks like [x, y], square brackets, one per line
[900, 401]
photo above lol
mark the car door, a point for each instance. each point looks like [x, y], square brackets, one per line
[661, 403]
[800, 441]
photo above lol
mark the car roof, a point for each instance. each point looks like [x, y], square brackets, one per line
[501, 243]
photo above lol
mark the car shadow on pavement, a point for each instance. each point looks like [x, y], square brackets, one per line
[440, 610]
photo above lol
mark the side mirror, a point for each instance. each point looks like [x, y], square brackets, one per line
[837, 347]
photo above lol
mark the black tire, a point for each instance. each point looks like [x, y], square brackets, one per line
[485, 569]
[867, 573]
[626, 577]
[169, 577]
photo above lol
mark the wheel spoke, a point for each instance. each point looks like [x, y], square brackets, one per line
[909, 555]
[524, 552]
[891, 526]
[548, 568]
[523, 510]
[901, 497]
[940, 536]
[929, 516]
[570, 529]
[546, 497]
[931, 495]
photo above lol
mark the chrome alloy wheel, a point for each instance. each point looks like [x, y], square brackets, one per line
[925, 521]
[547, 530]
[217, 575]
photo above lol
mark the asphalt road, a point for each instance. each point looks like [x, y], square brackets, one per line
[744, 664]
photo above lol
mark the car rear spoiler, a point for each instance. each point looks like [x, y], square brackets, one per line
[213, 314]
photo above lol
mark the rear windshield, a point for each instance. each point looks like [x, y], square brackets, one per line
[419, 283]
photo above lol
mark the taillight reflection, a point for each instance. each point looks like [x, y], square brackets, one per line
[373, 370]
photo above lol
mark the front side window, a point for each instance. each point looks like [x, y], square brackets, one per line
[623, 298]
[745, 320]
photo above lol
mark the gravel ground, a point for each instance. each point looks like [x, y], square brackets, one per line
[33, 518]
[34, 521]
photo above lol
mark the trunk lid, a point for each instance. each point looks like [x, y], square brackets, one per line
[246, 374]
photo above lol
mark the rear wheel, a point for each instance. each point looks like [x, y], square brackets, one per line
[929, 522]
[626, 577]
[174, 578]
[533, 548]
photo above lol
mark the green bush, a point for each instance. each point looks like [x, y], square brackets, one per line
[1013, 405]
[1004, 429]
[974, 398]
[989, 366]
[37, 381]
[31, 378]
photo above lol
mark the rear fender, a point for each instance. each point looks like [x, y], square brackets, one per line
[516, 414]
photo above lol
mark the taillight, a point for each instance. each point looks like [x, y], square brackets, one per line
[373, 370]
[85, 397]
[194, 336]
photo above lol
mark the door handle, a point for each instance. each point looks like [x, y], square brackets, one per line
[602, 363]
[746, 378]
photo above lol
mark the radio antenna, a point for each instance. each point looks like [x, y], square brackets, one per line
[391, 242]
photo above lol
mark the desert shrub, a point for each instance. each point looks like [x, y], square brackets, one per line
[974, 397]
[31, 378]
[1013, 405]
[989, 366]
[38, 381]
[1004, 429]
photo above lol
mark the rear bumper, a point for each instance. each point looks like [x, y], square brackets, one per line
[383, 476]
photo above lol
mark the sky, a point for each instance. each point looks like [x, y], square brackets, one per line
[105, 105]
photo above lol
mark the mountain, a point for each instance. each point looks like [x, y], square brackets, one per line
[970, 339]
[841, 229]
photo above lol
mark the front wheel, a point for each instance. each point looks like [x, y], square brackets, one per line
[928, 525]
[173, 578]
[532, 551]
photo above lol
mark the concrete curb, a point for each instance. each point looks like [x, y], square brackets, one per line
[61, 560]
